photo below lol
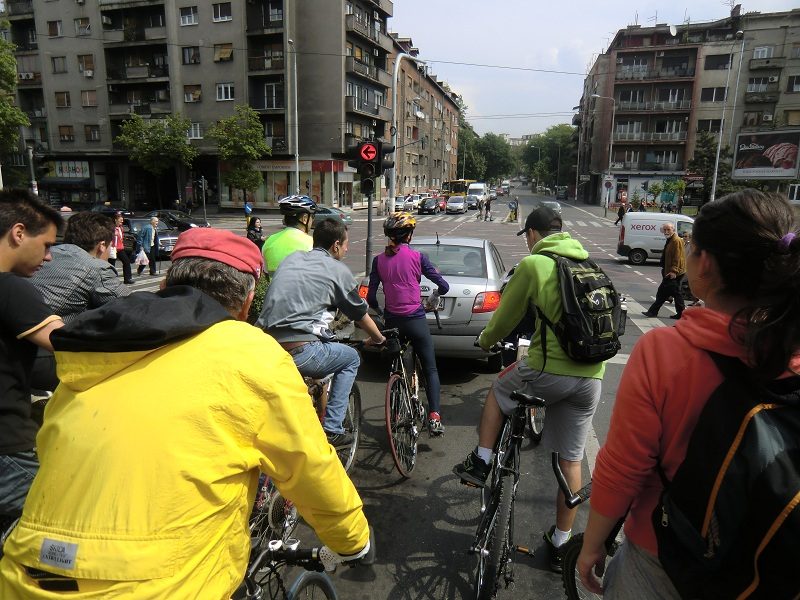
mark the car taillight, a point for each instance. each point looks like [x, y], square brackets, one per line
[486, 302]
[362, 291]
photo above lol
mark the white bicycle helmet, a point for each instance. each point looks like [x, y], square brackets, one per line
[297, 205]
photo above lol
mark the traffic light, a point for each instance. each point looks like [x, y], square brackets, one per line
[385, 163]
[369, 156]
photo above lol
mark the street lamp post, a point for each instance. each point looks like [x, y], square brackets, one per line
[34, 185]
[610, 145]
[395, 74]
[295, 125]
[713, 196]
[736, 88]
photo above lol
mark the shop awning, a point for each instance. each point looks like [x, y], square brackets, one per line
[74, 182]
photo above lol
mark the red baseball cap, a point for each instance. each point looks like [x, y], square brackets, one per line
[220, 245]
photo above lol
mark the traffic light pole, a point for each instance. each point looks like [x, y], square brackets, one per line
[368, 265]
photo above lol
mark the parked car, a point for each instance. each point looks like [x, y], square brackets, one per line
[178, 219]
[492, 195]
[399, 204]
[330, 212]
[428, 206]
[561, 194]
[111, 210]
[456, 204]
[500, 192]
[475, 272]
[167, 236]
[472, 202]
[556, 206]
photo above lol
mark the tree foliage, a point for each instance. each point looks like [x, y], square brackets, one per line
[240, 139]
[703, 161]
[11, 117]
[550, 157]
[470, 162]
[497, 154]
[157, 144]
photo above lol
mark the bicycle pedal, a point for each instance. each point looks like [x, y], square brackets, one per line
[524, 550]
[469, 484]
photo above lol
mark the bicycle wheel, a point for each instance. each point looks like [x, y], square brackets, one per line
[273, 516]
[401, 425]
[352, 425]
[494, 559]
[312, 586]
[535, 418]
[573, 587]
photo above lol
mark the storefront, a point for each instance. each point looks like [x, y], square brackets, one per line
[68, 183]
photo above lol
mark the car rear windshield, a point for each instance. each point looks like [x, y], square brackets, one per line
[464, 261]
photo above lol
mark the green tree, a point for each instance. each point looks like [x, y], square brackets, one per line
[497, 154]
[240, 139]
[11, 117]
[551, 156]
[656, 188]
[703, 161]
[470, 161]
[158, 144]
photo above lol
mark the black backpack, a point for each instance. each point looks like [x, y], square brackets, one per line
[728, 524]
[593, 317]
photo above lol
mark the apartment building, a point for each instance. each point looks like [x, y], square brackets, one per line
[647, 96]
[427, 125]
[316, 71]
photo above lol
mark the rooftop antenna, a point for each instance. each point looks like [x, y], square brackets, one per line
[654, 18]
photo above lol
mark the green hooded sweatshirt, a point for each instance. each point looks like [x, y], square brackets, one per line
[535, 283]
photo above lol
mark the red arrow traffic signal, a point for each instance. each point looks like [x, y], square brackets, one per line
[368, 151]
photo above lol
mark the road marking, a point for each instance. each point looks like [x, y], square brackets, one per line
[567, 223]
[639, 273]
[581, 223]
[628, 266]
[652, 281]
[596, 224]
[618, 359]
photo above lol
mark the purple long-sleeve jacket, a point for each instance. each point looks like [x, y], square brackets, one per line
[399, 269]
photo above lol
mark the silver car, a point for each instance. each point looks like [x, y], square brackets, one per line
[475, 272]
[456, 204]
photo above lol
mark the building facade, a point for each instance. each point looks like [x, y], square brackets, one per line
[645, 99]
[427, 116]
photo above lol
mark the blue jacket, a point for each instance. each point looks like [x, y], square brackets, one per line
[143, 239]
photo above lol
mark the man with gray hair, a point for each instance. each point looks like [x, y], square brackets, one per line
[673, 271]
[133, 467]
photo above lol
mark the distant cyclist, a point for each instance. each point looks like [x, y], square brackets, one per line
[399, 269]
[298, 213]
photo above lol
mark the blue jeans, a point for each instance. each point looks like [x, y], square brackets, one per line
[16, 475]
[320, 359]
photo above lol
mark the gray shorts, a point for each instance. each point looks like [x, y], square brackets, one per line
[571, 402]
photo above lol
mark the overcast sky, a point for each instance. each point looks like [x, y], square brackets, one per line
[552, 35]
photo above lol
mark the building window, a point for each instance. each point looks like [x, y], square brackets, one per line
[751, 119]
[195, 131]
[82, 26]
[716, 62]
[793, 84]
[224, 91]
[712, 94]
[191, 55]
[59, 64]
[62, 100]
[275, 11]
[86, 63]
[54, 29]
[88, 97]
[192, 93]
[223, 52]
[222, 12]
[763, 52]
[795, 51]
[757, 84]
[709, 125]
[792, 117]
[348, 50]
[380, 99]
[92, 133]
[189, 16]
[66, 133]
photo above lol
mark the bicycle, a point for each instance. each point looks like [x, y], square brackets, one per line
[493, 543]
[405, 412]
[318, 389]
[263, 574]
[573, 588]
[273, 516]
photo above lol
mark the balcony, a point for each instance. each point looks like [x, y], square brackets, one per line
[369, 71]
[265, 25]
[643, 73]
[646, 166]
[138, 72]
[352, 24]
[265, 63]
[777, 62]
[769, 96]
[135, 33]
[385, 5]
[37, 113]
[29, 79]
[19, 9]
[363, 107]
[278, 144]
[626, 106]
[267, 104]
[674, 136]
[649, 136]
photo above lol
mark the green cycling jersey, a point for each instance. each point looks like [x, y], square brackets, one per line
[283, 243]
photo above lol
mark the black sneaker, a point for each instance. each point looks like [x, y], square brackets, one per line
[339, 440]
[556, 554]
[473, 471]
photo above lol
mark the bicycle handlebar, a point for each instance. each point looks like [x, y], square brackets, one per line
[571, 499]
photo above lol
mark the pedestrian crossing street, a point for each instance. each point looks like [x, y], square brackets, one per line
[471, 217]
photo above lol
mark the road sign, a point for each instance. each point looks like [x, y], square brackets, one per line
[368, 152]
[585, 178]
[608, 178]
[609, 184]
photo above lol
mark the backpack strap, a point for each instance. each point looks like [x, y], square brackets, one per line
[544, 319]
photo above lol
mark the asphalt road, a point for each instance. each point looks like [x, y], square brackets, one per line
[425, 524]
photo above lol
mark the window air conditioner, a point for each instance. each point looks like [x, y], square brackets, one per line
[88, 73]
[773, 79]
[766, 117]
[28, 75]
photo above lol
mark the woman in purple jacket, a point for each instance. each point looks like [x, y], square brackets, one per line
[399, 269]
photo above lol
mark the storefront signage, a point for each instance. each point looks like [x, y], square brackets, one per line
[77, 169]
[770, 155]
[280, 165]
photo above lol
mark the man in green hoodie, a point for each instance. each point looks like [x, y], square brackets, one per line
[571, 389]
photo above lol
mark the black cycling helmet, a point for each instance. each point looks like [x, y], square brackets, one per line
[297, 205]
[399, 224]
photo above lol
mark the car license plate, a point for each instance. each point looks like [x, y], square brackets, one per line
[167, 248]
[439, 305]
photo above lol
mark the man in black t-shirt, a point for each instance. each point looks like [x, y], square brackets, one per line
[27, 230]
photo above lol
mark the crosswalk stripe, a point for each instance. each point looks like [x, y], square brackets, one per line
[581, 223]
[596, 224]
[568, 223]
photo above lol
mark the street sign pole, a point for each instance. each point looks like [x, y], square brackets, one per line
[368, 265]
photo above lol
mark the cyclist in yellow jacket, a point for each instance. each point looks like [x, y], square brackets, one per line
[168, 408]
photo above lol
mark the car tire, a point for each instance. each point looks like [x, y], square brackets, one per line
[637, 257]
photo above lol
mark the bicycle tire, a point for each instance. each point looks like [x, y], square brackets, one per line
[401, 427]
[492, 565]
[352, 425]
[535, 421]
[312, 586]
[573, 588]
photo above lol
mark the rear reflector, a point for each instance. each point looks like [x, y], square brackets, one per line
[486, 302]
[362, 291]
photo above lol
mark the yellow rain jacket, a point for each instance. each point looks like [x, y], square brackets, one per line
[150, 455]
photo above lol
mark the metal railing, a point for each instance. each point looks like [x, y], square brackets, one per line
[647, 136]
[277, 103]
[370, 71]
[657, 105]
[645, 166]
[265, 63]
[639, 73]
[23, 7]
